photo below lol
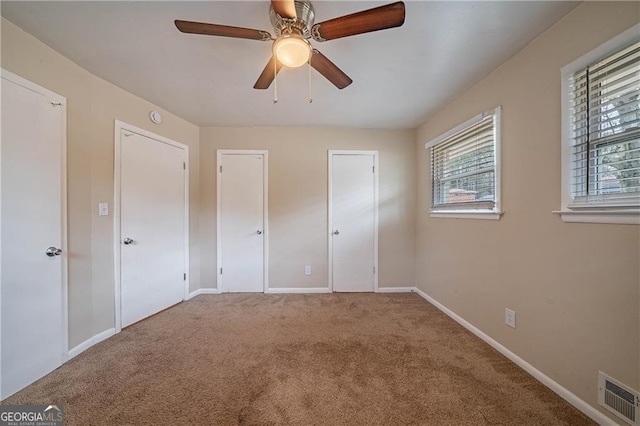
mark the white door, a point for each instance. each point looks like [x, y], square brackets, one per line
[152, 225]
[353, 223]
[33, 225]
[241, 221]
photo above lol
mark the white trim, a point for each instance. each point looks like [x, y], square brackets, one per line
[621, 217]
[589, 213]
[376, 201]
[376, 171]
[65, 237]
[462, 213]
[203, 291]
[497, 170]
[309, 290]
[330, 221]
[116, 229]
[564, 393]
[74, 352]
[265, 212]
[118, 127]
[395, 289]
[469, 214]
[219, 285]
[64, 260]
[614, 207]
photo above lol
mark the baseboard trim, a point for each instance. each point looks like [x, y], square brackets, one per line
[298, 290]
[563, 392]
[395, 289]
[90, 342]
[200, 291]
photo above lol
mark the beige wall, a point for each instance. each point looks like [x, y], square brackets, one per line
[92, 106]
[575, 287]
[298, 186]
[298, 199]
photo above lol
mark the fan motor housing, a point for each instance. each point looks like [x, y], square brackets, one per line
[301, 25]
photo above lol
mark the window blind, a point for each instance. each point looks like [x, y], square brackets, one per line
[605, 129]
[463, 168]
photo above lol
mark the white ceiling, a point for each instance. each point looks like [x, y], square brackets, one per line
[400, 75]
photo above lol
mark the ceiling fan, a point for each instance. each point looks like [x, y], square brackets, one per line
[293, 23]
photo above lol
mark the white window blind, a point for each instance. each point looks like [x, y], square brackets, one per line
[604, 129]
[463, 167]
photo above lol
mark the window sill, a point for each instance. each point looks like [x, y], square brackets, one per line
[467, 214]
[615, 216]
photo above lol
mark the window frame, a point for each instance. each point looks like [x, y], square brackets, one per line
[572, 210]
[459, 211]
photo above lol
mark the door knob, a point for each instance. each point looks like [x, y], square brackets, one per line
[127, 241]
[53, 251]
[336, 232]
[259, 232]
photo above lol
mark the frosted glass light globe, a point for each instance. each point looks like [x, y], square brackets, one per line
[292, 50]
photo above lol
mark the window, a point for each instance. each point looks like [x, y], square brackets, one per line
[465, 171]
[601, 152]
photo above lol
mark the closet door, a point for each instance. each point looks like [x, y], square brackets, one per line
[353, 221]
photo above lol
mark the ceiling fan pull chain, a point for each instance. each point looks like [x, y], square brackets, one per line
[275, 81]
[309, 66]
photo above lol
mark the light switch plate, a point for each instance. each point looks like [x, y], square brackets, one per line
[103, 209]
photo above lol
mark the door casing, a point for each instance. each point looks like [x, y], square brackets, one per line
[62, 101]
[265, 212]
[119, 126]
[374, 154]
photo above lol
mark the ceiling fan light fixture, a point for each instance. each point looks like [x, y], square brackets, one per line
[292, 50]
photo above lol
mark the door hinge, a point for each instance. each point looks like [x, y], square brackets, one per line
[220, 271]
[373, 169]
[184, 276]
[374, 269]
[220, 169]
[184, 166]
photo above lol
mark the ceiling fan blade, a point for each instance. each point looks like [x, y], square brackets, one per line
[221, 30]
[268, 74]
[324, 66]
[285, 8]
[378, 18]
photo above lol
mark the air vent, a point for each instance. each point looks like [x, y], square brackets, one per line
[621, 400]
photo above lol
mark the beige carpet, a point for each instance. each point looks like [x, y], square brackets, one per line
[349, 359]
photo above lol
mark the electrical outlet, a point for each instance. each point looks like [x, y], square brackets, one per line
[307, 269]
[510, 317]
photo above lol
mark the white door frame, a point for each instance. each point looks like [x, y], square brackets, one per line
[119, 126]
[265, 212]
[9, 76]
[331, 153]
